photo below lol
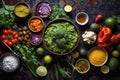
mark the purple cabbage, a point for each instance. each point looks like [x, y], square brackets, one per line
[44, 9]
[36, 39]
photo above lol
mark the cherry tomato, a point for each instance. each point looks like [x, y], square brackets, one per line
[14, 40]
[5, 32]
[15, 36]
[3, 37]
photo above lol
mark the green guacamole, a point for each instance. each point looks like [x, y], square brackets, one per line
[60, 37]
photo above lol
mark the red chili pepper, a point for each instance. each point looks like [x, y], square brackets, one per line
[10, 37]
[104, 35]
[98, 18]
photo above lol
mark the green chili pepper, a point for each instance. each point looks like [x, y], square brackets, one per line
[56, 73]
[61, 71]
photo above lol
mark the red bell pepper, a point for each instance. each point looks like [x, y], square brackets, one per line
[98, 18]
[104, 35]
[115, 38]
[10, 37]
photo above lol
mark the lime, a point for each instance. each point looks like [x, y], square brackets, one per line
[47, 59]
[111, 22]
[83, 51]
[68, 8]
[75, 54]
[39, 51]
[115, 53]
[105, 69]
[41, 71]
[118, 47]
[113, 63]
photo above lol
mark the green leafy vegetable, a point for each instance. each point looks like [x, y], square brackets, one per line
[7, 18]
[58, 12]
[61, 37]
[28, 55]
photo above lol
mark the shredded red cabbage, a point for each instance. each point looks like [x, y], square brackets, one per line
[36, 39]
[44, 9]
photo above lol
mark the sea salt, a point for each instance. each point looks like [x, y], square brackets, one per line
[9, 63]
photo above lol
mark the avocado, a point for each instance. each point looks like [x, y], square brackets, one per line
[113, 63]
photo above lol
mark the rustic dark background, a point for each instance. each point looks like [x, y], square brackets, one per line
[92, 7]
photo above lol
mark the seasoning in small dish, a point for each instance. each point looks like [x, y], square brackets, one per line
[35, 24]
[82, 18]
[97, 56]
[9, 62]
[82, 65]
[22, 9]
[43, 9]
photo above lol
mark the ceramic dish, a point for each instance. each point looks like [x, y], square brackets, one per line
[82, 65]
[22, 9]
[35, 24]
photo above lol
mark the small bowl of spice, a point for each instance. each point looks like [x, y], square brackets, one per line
[97, 56]
[82, 18]
[9, 62]
[82, 65]
[35, 24]
[22, 9]
[43, 9]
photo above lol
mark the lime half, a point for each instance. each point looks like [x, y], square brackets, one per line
[41, 71]
[105, 69]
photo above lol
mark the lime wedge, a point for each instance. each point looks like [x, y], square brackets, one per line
[41, 71]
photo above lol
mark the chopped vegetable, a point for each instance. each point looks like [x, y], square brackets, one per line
[61, 37]
[35, 24]
[43, 9]
[36, 39]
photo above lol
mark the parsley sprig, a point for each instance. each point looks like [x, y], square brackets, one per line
[7, 17]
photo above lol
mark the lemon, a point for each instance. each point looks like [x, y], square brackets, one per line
[75, 54]
[47, 59]
[39, 51]
[115, 53]
[41, 71]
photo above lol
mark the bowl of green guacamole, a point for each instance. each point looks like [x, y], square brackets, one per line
[60, 36]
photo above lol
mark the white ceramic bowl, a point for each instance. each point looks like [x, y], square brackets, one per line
[82, 21]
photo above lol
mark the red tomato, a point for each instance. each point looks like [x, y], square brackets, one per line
[3, 37]
[14, 40]
[9, 43]
[16, 36]
[14, 33]
[5, 32]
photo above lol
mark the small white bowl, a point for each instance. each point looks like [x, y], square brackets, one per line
[84, 18]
